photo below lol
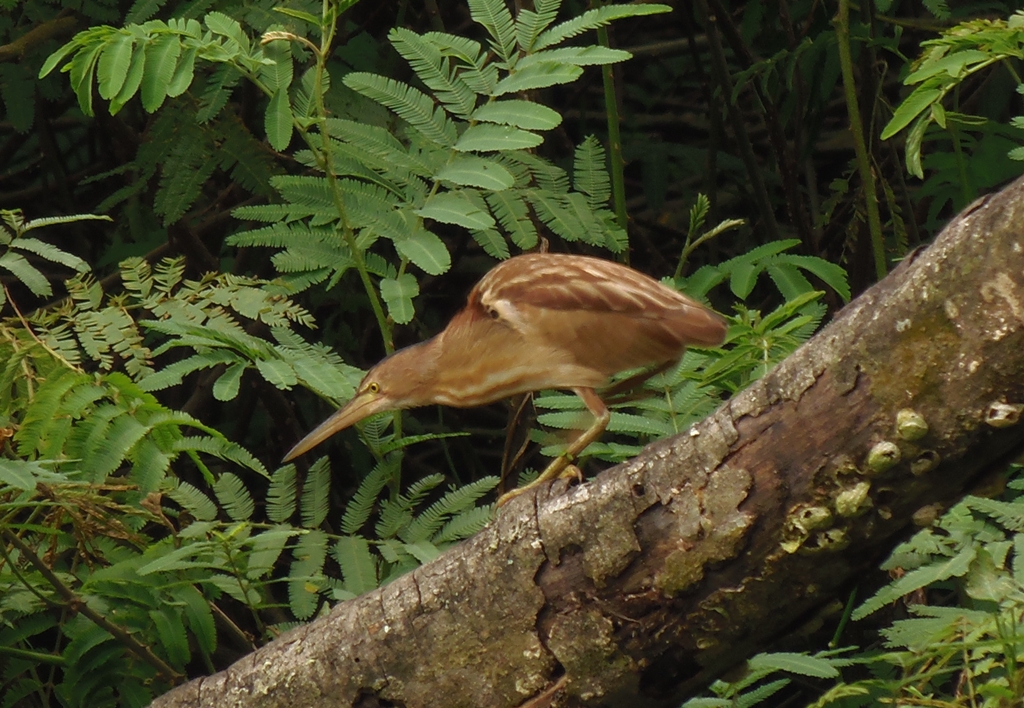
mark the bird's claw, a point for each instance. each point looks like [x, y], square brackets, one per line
[560, 468]
[571, 471]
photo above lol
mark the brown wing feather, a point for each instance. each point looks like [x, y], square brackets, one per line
[521, 289]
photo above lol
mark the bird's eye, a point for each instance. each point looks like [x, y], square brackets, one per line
[492, 313]
[373, 387]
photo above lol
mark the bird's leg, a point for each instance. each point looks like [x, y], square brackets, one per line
[517, 436]
[601, 417]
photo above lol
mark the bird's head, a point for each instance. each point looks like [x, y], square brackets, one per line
[400, 381]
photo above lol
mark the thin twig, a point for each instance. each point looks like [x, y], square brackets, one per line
[867, 177]
[44, 345]
[79, 605]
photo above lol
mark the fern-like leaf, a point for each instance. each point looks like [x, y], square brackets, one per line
[357, 512]
[435, 71]
[315, 494]
[414, 106]
[234, 497]
[593, 19]
[305, 575]
[530, 23]
[194, 501]
[281, 494]
[358, 566]
[454, 502]
[497, 20]
[590, 174]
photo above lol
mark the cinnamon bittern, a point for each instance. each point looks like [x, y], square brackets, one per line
[536, 321]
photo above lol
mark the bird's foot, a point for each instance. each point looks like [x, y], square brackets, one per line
[571, 472]
[560, 468]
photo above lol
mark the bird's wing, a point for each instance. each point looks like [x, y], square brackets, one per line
[550, 298]
[576, 283]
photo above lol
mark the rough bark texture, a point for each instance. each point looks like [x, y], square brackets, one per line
[655, 577]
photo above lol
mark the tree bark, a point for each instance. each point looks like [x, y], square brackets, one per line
[649, 581]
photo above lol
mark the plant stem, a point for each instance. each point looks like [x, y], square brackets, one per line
[79, 605]
[611, 110]
[328, 30]
[867, 177]
[720, 73]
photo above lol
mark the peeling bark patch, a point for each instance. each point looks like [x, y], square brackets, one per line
[1003, 288]
[607, 540]
[584, 643]
[708, 532]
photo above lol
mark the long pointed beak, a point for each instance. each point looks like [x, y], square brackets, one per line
[362, 406]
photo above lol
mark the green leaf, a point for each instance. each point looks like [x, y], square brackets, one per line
[629, 423]
[113, 64]
[358, 567]
[124, 432]
[357, 512]
[171, 631]
[794, 663]
[426, 250]
[744, 276]
[423, 551]
[83, 68]
[913, 149]
[306, 573]
[325, 378]
[25, 474]
[132, 81]
[954, 567]
[464, 525]
[398, 294]
[578, 56]
[199, 616]
[951, 64]
[49, 252]
[58, 56]
[278, 120]
[593, 19]
[456, 208]
[221, 24]
[473, 171]
[497, 20]
[316, 494]
[485, 137]
[161, 60]
[590, 173]
[193, 500]
[299, 15]
[281, 494]
[788, 279]
[831, 274]
[492, 242]
[266, 549]
[183, 73]
[234, 497]
[278, 75]
[539, 75]
[434, 69]
[25, 272]
[521, 114]
[225, 388]
[277, 372]
[514, 215]
[913, 105]
[414, 106]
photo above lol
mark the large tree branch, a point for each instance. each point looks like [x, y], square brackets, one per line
[661, 573]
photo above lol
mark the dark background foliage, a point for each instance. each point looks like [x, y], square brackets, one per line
[741, 102]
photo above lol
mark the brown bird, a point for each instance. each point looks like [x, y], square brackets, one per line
[536, 321]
